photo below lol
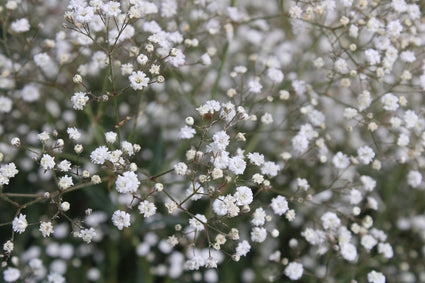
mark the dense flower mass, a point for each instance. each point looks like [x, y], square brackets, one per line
[283, 140]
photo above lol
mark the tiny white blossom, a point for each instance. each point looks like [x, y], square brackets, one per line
[243, 248]
[100, 155]
[348, 251]
[47, 162]
[180, 168]
[19, 224]
[87, 235]
[279, 205]
[127, 182]
[11, 274]
[65, 182]
[375, 277]
[196, 224]
[147, 208]
[121, 219]
[73, 133]
[21, 25]
[237, 165]
[330, 220]
[79, 100]
[294, 270]
[365, 154]
[390, 102]
[138, 80]
[258, 234]
[243, 196]
[414, 178]
[46, 228]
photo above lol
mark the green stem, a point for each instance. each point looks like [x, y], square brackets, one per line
[220, 70]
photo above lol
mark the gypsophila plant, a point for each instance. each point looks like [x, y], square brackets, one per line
[212, 141]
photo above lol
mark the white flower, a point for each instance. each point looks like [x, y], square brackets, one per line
[221, 139]
[87, 234]
[177, 60]
[258, 234]
[121, 219]
[243, 195]
[8, 246]
[300, 143]
[410, 118]
[211, 262]
[257, 178]
[270, 168]
[209, 107]
[127, 182]
[8, 170]
[243, 248]
[314, 237]
[368, 242]
[364, 100]
[294, 270]
[99, 155]
[254, 86]
[267, 118]
[65, 182]
[79, 100]
[5, 104]
[275, 75]
[368, 183]
[21, 25]
[186, 132]
[348, 251]
[341, 66]
[195, 262]
[279, 205]
[142, 59]
[55, 278]
[43, 137]
[19, 224]
[355, 196]
[180, 168]
[372, 56]
[84, 14]
[386, 250]
[64, 165]
[11, 274]
[340, 160]
[147, 208]
[111, 9]
[375, 277]
[390, 102]
[73, 133]
[47, 162]
[196, 224]
[258, 217]
[46, 228]
[256, 158]
[330, 220]
[414, 178]
[365, 154]
[220, 206]
[111, 137]
[237, 165]
[394, 28]
[303, 184]
[138, 80]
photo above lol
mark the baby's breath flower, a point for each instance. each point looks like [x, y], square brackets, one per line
[46, 228]
[121, 219]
